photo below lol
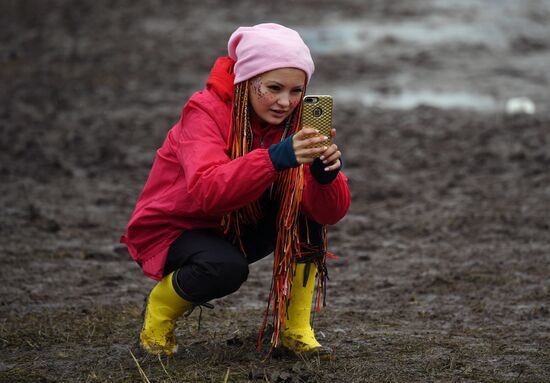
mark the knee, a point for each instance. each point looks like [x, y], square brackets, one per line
[214, 279]
[226, 277]
[232, 274]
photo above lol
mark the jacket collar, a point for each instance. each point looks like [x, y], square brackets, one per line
[221, 78]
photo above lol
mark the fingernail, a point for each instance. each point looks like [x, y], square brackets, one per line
[322, 158]
[326, 169]
[325, 161]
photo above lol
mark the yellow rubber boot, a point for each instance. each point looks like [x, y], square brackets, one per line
[164, 307]
[298, 335]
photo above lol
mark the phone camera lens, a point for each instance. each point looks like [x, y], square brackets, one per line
[317, 112]
[310, 100]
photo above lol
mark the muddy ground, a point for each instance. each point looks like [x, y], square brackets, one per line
[444, 268]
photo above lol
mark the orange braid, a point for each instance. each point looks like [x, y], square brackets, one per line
[288, 191]
[241, 139]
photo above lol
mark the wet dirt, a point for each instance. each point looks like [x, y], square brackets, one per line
[444, 257]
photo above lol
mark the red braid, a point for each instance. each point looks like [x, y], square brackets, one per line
[287, 190]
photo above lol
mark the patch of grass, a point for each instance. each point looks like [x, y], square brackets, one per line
[99, 345]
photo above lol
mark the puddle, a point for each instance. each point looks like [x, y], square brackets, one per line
[352, 37]
[412, 99]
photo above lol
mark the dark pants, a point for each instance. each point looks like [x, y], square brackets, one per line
[209, 266]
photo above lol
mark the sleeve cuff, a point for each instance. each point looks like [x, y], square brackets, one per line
[317, 169]
[282, 155]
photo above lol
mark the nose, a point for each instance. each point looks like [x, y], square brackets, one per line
[284, 100]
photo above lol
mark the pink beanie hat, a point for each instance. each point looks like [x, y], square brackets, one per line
[266, 47]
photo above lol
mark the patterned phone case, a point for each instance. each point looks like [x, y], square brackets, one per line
[317, 114]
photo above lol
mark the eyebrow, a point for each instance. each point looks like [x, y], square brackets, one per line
[274, 82]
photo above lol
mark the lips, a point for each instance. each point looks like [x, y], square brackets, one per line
[279, 112]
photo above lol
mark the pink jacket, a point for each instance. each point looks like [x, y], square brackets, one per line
[193, 182]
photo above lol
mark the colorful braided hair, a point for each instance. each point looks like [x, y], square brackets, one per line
[288, 190]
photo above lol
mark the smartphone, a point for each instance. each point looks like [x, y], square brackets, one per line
[317, 114]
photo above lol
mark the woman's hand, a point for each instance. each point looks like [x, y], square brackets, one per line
[305, 138]
[331, 156]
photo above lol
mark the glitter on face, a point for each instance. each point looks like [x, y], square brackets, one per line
[275, 94]
[258, 86]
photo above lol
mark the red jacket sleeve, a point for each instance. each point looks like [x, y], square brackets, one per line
[325, 203]
[216, 182]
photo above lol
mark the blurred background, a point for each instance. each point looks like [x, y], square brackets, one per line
[442, 112]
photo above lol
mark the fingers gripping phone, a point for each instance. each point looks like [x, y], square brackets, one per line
[317, 114]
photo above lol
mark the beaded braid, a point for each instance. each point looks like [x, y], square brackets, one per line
[241, 139]
[288, 190]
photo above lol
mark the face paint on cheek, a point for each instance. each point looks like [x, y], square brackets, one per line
[268, 100]
[258, 87]
[294, 103]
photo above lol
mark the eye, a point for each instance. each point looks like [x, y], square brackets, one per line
[296, 91]
[274, 87]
